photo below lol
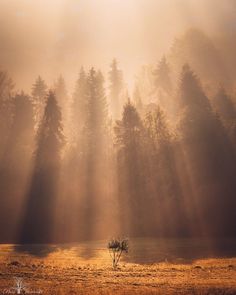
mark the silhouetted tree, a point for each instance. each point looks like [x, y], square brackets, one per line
[225, 108]
[96, 110]
[64, 103]
[206, 148]
[39, 216]
[6, 87]
[39, 89]
[94, 147]
[6, 119]
[15, 164]
[130, 159]
[162, 175]
[224, 105]
[75, 161]
[22, 131]
[50, 138]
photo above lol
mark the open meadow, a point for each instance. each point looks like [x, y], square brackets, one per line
[86, 269]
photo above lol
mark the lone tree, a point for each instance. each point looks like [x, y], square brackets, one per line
[116, 247]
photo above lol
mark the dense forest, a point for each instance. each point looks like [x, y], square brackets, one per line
[100, 159]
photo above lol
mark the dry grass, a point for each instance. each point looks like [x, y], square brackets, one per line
[65, 272]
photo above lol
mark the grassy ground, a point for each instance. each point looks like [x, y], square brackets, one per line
[70, 270]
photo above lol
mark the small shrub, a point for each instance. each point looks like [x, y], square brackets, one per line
[116, 247]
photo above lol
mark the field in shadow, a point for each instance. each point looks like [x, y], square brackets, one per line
[141, 251]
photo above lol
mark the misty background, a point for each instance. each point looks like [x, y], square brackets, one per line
[49, 38]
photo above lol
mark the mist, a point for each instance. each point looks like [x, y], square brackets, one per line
[58, 37]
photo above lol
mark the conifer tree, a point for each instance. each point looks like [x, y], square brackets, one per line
[130, 161]
[96, 113]
[128, 130]
[38, 220]
[39, 90]
[227, 112]
[22, 127]
[196, 116]
[6, 186]
[64, 103]
[6, 109]
[157, 127]
[19, 145]
[206, 148]
[50, 138]
[162, 175]
[162, 76]
[224, 105]
[94, 148]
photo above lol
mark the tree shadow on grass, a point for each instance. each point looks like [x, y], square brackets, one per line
[179, 251]
[39, 250]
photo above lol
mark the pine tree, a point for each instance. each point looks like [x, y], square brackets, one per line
[94, 149]
[64, 103]
[162, 176]
[196, 116]
[190, 91]
[7, 187]
[226, 110]
[96, 113]
[131, 176]
[157, 127]
[39, 89]
[38, 93]
[116, 86]
[38, 220]
[162, 76]
[50, 138]
[206, 148]
[6, 109]
[128, 131]
[224, 105]
[20, 140]
[22, 127]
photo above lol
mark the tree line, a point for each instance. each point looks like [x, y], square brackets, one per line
[159, 162]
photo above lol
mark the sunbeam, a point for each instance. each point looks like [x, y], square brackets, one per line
[117, 141]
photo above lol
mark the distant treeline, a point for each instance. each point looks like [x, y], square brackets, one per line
[158, 162]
